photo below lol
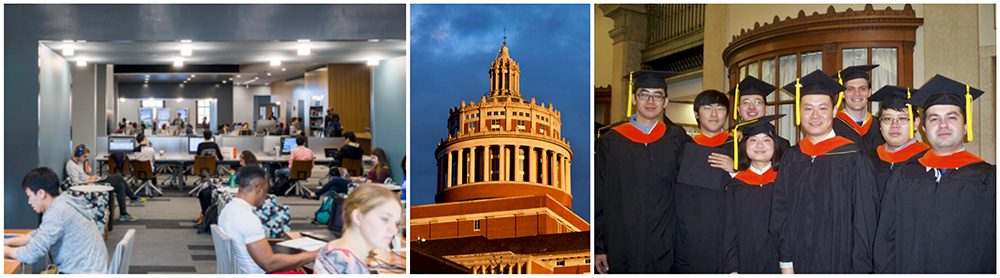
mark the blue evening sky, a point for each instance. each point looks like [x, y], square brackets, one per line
[452, 47]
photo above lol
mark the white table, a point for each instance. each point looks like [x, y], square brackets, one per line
[98, 197]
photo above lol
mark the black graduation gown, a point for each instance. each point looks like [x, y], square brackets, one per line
[746, 240]
[927, 226]
[888, 161]
[700, 194]
[871, 139]
[634, 213]
[823, 212]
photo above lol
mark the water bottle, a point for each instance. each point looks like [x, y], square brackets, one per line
[232, 179]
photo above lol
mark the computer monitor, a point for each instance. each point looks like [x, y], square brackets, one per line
[329, 152]
[266, 126]
[288, 144]
[121, 143]
[193, 143]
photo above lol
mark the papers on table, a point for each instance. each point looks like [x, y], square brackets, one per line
[305, 244]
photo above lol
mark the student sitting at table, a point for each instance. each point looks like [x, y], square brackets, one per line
[209, 148]
[378, 174]
[238, 221]
[351, 149]
[371, 220]
[301, 153]
[145, 152]
[246, 130]
[67, 233]
[205, 196]
[164, 130]
[78, 170]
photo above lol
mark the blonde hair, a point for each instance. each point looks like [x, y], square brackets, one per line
[365, 198]
[82, 151]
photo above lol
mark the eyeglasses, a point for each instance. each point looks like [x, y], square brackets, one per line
[645, 97]
[888, 120]
[755, 102]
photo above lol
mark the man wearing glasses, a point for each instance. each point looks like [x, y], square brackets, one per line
[897, 122]
[636, 165]
[750, 97]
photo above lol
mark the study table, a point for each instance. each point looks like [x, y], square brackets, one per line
[11, 266]
[179, 162]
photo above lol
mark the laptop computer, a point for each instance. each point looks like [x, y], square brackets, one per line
[329, 152]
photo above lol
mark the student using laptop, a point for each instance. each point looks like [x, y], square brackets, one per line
[78, 171]
[378, 174]
[238, 221]
[67, 233]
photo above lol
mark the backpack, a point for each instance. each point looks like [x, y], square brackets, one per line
[280, 187]
[323, 214]
[211, 217]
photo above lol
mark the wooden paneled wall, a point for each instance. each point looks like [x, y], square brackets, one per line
[350, 95]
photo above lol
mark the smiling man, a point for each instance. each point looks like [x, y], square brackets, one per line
[897, 122]
[636, 164]
[824, 204]
[939, 215]
[750, 101]
[707, 165]
[854, 122]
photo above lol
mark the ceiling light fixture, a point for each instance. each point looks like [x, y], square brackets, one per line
[268, 74]
[372, 40]
[185, 48]
[178, 62]
[372, 62]
[282, 69]
[193, 76]
[81, 62]
[275, 62]
[223, 82]
[180, 99]
[68, 50]
[237, 76]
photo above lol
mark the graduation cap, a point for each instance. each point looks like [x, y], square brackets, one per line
[814, 83]
[855, 72]
[895, 97]
[751, 128]
[647, 79]
[942, 90]
[750, 86]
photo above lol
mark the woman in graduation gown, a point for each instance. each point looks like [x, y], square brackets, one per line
[746, 240]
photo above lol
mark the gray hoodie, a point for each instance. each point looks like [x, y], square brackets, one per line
[69, 234]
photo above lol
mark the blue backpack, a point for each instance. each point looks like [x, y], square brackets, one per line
[323, 213]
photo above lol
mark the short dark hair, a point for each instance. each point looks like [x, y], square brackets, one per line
[916, 114]
[207, 134]
[708, 97]
[139, 137]
[248, 174]
[350, 136]
[41, 178]
[300, 140]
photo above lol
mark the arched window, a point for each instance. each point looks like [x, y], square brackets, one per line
[780, 51]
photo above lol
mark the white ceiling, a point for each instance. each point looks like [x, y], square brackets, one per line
[254, 57]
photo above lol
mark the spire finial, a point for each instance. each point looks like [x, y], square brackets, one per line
[504, 36]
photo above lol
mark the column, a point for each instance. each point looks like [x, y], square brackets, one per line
[447, 182]
[519, 153]
[532, 165]
[472, 164]
[461, 167]
[503, 163]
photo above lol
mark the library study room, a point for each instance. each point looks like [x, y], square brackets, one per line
[205, 139]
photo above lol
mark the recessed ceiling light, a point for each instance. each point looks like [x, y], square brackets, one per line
[267, 84]
[186, 50]
[193, 76]
[230, 79]
[282, 69]
[268, 74]
[68, 50]
[181, 85]
[145, 85]
[121, 99]
[275, 62]
[372, 40]
[372, 62]
[81, 62]
[237, 75]
[304, 50]
[185, 40]
[223, 82]
[303, 40]
[180, 99]
[185, 82]
[67, 40]
[178, 62]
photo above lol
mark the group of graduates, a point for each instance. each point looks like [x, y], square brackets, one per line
[857, 194]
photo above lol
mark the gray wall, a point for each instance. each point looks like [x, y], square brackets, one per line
[389, 115]
[51, 132]
[84, 109]
[25, 25]
[244, 108]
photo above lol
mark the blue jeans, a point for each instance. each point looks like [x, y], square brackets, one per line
[336, 184]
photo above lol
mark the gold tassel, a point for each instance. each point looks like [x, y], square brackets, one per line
[909, 112]
[736, 144]
[628, 111]
[968, 111]
[798, 110]
[736, 101]
[841, 96]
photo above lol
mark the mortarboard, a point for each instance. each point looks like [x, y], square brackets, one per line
[855, 72]
[895, 97]
[942, 90]
[751, 128]
[814, 83]
[750, 86]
